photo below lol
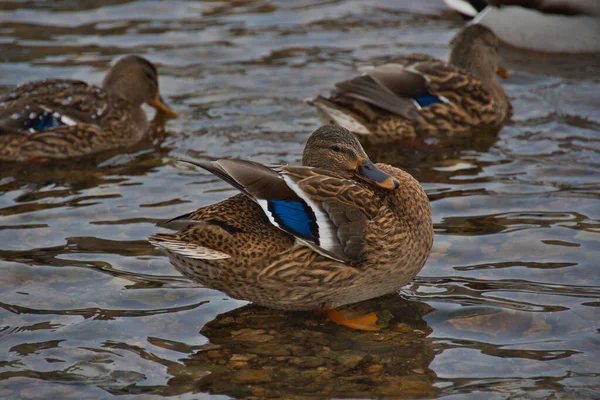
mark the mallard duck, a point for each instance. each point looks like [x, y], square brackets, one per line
[554, 26]
[420, 96]
[63, 118]
[337, 230]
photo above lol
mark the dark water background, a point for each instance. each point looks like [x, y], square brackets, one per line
[506, 307]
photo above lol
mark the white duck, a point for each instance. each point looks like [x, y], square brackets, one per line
[552, 26]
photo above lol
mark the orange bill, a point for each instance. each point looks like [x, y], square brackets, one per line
[502, 72]
[160, 105]
[367, 171]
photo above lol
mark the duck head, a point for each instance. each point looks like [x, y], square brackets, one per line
[475, 48]
[336, 149]
[135, 80]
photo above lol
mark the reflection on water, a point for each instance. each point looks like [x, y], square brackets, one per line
[507, 305]
[265, 353]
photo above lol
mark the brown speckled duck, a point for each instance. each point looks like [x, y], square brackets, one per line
[420, 96]
[337, 230]
[62, 118]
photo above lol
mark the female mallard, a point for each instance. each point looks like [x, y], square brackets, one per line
[335, 231]
[419, 96]
[62, 118]
[555, 26]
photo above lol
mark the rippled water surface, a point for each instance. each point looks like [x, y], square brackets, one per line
[506, 306]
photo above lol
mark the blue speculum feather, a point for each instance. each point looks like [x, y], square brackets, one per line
[427, 100]
[295, 217]
[43, 121]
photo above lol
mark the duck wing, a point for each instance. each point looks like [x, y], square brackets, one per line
[320, 209]
[43, 105]
[404, 89]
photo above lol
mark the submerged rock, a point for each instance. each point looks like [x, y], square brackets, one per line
[255, 352]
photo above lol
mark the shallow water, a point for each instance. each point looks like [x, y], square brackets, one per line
[506, 306]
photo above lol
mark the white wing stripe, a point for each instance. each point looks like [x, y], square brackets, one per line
[416, 103]
[265, 206]
[63, 118]
[327, 231]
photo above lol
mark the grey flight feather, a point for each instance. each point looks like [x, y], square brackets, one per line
[377, 89]
[399, 80]
[257, 179]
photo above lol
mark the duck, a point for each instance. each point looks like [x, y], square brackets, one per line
[417, 96]
[64, 118]
[547, 26]
[336, 230]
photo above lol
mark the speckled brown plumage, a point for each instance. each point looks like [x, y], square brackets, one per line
[380, 105]
[82, 119]
[384, 234]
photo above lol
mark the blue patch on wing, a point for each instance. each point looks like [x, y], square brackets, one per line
[296, 217]
[43, 121]
[427, 100]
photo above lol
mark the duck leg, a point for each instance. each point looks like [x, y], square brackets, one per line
[363, 323]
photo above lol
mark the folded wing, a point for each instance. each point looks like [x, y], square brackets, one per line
[322, 210]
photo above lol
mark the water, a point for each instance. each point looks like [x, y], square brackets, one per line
[506, 306]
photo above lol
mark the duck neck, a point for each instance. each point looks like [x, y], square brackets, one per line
[481, 69]
[484, 69]
[123, 91]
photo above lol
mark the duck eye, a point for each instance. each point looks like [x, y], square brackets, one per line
[336, 148]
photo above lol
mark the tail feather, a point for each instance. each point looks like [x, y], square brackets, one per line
[171, 244]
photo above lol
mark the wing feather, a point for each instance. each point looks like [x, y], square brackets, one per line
[322, 210]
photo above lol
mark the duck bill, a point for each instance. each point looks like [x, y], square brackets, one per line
[502, 72]
[159, 104]
[367, 171]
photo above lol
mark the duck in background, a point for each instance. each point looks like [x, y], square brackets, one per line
[63, 118]
[419, 96]
[335, 231]
[551, 26]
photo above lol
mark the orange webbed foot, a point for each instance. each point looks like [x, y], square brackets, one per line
[363, 323]
[34, 159]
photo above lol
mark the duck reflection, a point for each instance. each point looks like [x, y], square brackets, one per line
[421, 153]
[259, 352]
